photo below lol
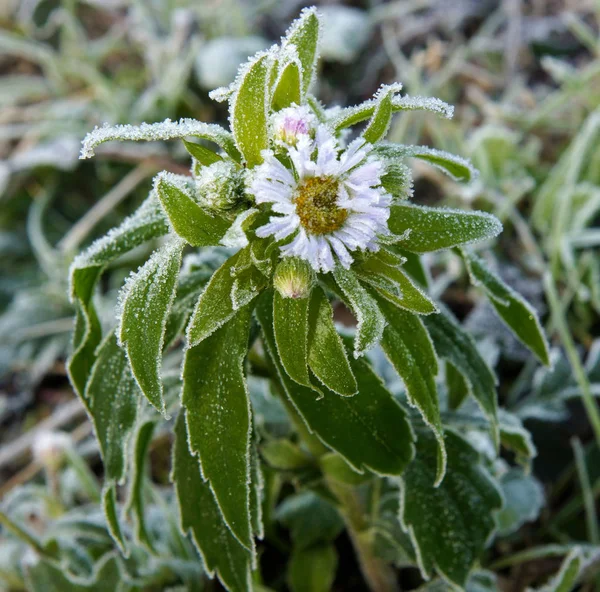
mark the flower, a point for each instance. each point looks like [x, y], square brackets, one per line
[291, 123]
[330, 203]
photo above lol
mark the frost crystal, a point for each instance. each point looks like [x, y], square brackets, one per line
[152, 132]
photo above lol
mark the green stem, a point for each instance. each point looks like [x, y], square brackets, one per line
[591, 516]
[379, 575]
[560, 323]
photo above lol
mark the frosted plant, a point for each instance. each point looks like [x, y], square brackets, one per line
[320, 213]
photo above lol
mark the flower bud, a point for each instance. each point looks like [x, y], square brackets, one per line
[220, 186]
[291, 123]
[294, 278]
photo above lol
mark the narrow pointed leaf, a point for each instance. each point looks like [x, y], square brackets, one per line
[457, 346]
[114, 397]
[165, 130]
[290, 323]
[326, 354]
[249, 109]
[215, 306]
[304, 35]
[200, 515]
[288, 87]
[403, 292]
[408, 346]
[146, 302]
[353, 115]
[460, 169]
[257, 484]
[448, 525]
[457, 387]
[205, 156]
[433, 229]
[147, 222]
[189, 220]
[514, 310]
[370, 430]
[218, 417]
[382, 114]
[370, 321]
[111, 513]
[136, 499]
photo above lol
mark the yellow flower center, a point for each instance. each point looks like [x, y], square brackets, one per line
[316, 205]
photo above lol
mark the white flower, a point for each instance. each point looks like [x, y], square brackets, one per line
[291, 123]
[331, 203]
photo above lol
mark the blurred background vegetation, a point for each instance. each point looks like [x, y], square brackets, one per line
[524, 76]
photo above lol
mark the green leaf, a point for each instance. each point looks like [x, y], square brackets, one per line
[113, 396]
[512, 308]
[47, 576]
[249, 109]
[109, 505]
[205, 156]
[218, 417]
[136, 502]
[145, 304]
[457, 346]
[326, 353]
[408, 346]
[370, 321]
[456, 167]
[310, 518]
[394, 285]
[570, 570]
[287, 87]
[433, 229]
[382, 114]
[458, 389]
[290, 324]
[304, 36]
[312, 569]
[369, 430]
[257, 485]
[397, 180]
[448, 525]
[284, 455]
[165, 130]
[200, 515]
[146, 223]
[515, 437]
[215, 307]
[523, 500]
[189, 220]
[353, 115]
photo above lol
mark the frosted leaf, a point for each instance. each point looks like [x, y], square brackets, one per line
[147, 222]
[456, 167]
[153, 132]
[407, 103]
[305, 34]
[236, 237]
[144, 304]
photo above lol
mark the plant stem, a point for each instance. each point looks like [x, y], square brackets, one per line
[560, 323]
[379, 576]
[591, 516]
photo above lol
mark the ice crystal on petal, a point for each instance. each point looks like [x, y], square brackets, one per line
[331, 204]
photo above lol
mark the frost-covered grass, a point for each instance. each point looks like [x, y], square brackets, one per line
[518, 101]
